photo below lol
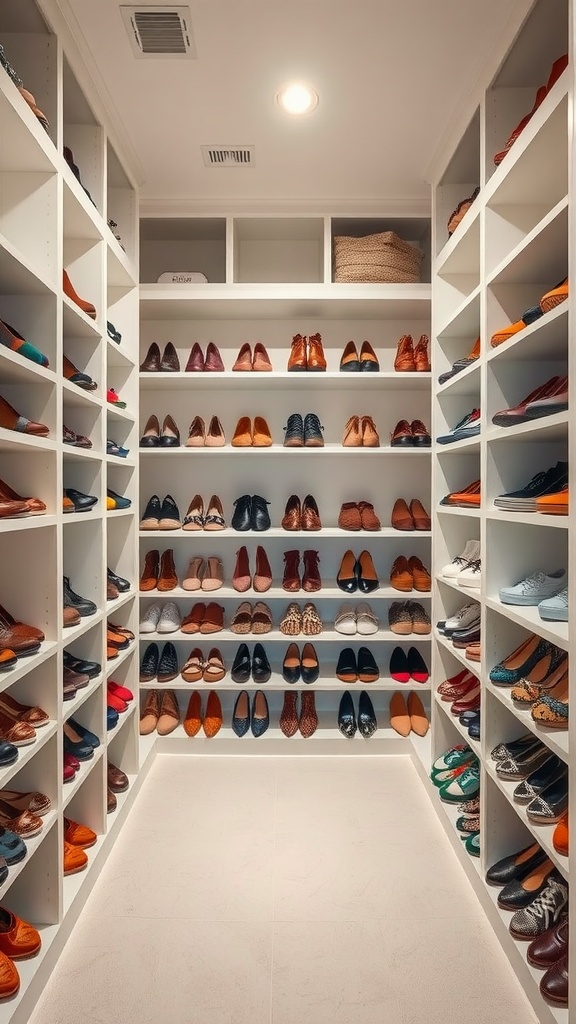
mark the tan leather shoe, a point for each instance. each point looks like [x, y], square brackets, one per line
[420, 575]
[419, 515]
[315, 358]
[214, 668]
[193, 716]
[168, 578]
[401, 516]
[261, 362]
[368, 518]
[150, 713]
[349, 517]
[196, 433]
[401, 575]
[297, 358]
[243, 433]
[418, 719]
[421, 357]
[70, 617]
[150, 572]
[243, 362]
[193, 668]
[12, 420]
[405, 360]
[169, 718]
[399, 715]
[261, 437]
[213, 717]
[370, 437]
[215, 435]
[352, 436]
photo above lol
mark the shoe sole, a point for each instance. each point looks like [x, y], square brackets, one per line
[548, 615]
[554, 510]
[521, 601]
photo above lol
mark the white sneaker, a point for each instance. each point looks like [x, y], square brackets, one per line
[170, 618]
[465, 617]
[535, 588]
[149, 621]
[471, 575]
[470, 553]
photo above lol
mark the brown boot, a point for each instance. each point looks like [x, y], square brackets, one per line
[291, 581]
[421, 357]
[149, 577]
[311, 580]
[297, 358]
[168, 579]
[405, 361]
[315, 358]
[308, 718]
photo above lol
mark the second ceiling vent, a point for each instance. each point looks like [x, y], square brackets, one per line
[159, 31]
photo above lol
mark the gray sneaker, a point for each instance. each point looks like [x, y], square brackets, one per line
[534, 589]
[555, 609]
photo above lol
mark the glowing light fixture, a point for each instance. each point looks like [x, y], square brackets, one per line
[297, 98]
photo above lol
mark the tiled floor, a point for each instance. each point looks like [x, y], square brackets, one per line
[258, 890]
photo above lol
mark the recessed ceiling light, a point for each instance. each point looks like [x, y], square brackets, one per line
[297, 98]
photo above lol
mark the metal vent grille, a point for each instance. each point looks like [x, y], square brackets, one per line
[159, 31]
[228, 156]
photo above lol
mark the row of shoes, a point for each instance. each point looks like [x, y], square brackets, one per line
[546, 591]
[463, 630]
[538, 673]
[74, 500]
[463, 692]
[541, 779]
[297, 664]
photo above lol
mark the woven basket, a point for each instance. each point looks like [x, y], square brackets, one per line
[380, 259]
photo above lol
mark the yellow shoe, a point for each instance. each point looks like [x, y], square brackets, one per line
[110, 504]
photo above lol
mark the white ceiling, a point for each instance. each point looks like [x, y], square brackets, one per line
[390, 74]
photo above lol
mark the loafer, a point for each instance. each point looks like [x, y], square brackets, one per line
[261, 670]
[81, 502]
[149, 663]
[168, 664]
[291, 664]
[521, 891]
[86, 735]
[367, 723]
[552, 803]
[313, 431]
[547, 948]
[294, 431]
[241, 714]
[309, 664]
[260, 714]
[8, 754]
[347, 716]
[242, 665]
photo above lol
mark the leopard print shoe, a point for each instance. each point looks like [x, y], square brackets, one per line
[291, 624]
[311, 621]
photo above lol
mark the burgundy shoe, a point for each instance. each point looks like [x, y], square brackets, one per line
[213, 362]
[311, 580]
[547, 405]
[195, 362]
[518, 414]
[469, 703]
[291, 580]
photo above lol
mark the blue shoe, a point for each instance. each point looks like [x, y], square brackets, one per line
[116, 501]
[241, 714]
[82, 750]
[12, 848]
[87, 736]
[468, 426]
[260, 714]
[533, 589]
[8, 755]
[555, 609]
[112, 717]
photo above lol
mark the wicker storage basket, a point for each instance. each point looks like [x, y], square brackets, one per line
[381, 259]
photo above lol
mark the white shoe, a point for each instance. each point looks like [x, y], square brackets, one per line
[471, 575]
[345, 621]
[470, 553]
[535, 588]
[170, 618]
[366, 621]
[149, 621]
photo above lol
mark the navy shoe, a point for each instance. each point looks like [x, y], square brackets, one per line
[112, 717]
[87, 668]
[546, 482]
[8, 755]
[260, 714]
[82, 751]
[346, 716]
[12, 848]
[241, 714]
[367, 723]
[118, 500]
[87, 736]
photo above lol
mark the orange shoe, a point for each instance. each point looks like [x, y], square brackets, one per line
[78, 835]
[418, 719]
[421, 357]
[7, 660]
[400, 575]
[18, 939]
[193, 716]
[506, 333]
[68, 287]
[243, 434]
[405, 361]
[554, 297]
[554, 504]
[399, 715]
[261, 437]
[213, 716]
[9, 978]
[540, 96]
[560, 836]
[74, 859]
[67, 504]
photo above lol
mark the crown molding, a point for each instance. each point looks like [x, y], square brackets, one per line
[157, 207]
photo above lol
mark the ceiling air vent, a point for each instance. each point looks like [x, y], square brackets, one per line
[159, 31]
[228, 156]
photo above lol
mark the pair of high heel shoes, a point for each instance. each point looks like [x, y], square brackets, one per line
[154, 437]
[538, 673]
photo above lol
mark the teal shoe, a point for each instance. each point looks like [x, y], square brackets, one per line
[472, 845]
[116, 501]
[464, 786]
[503, 676]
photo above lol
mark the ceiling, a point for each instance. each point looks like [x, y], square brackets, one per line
[390, 74]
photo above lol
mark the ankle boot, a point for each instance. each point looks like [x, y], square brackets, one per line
[421, 357]
[241, 577]
[167, 579]
[263, 574]
[311, 580]
[149, 577]
[291, 581]
[404, 361]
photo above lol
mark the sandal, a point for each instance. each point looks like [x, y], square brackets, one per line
[215, 515]
[261, 618]
[214, 669]
[291, 624]
[311, 621]
[242, 618]
[194, 518]
[194, 667]
[12, 420]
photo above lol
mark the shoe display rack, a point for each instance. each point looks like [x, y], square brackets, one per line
[513, 246]
[270, 279]
[48, 224]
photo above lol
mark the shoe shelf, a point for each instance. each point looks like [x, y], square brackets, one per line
[28, 664]
[555, 632]
[275, 635]
[448, 815]
[283, 379]
[467, 444]
[463, 321]
[548, 428]
[545, 339]
[454, 719]
[70, 789]
[32, 845]
[278, 449]
[28, 753]
[459, 654]
[541, 255]
[328, 590]
[70, 707]
[277, 683]
[275, 532]
[467, 382]
[113, 664]
[325, 739]
[471, 592]
[467, 513]
[461, 254]
[118, 602]
[556, 739]
[499, 515]
[542, 833]
[27, 523]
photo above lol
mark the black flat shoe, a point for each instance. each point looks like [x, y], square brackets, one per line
[547, 773]
[367, 723]
[149, 663]
[72, 600]
[520, 893]
[241, 714]
[242, 665]
[516, 865]
[86, 668]
[241, 519]
[417, 667]
[291, 664]
[347, 716]
[548, 807]
[152, 514]
[170, 512]
[347, 578]
[260, 714]
[368, 671]
[309, 664]
[168, 667]
[347, 669]
[259, 518]
[82, 502]
[313, 431]
[399, 667]
[368, 580]
[118, 581]
[261, 670]
[294, 431]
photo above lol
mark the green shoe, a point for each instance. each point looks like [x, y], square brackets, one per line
[464, 786]
[453, 758]
[472, 844]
